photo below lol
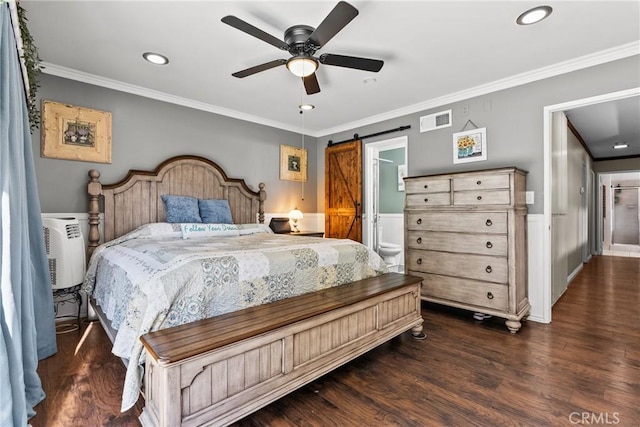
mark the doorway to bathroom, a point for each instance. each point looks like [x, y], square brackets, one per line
[383, 219]
[620, 222]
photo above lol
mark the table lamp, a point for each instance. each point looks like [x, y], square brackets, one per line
[294, 216]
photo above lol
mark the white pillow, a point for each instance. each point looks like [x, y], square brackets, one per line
[254, 229]
[202, 229]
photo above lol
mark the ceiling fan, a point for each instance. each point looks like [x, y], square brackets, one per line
[302, 42]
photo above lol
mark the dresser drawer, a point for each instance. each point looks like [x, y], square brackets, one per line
[472, 292]
[481, 182]
[493, 197]
[465, 222]
[479, 267]
[482, 244]
[426, 185]
[428, 199]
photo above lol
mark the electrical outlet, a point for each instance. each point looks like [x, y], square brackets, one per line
[465, 109]
[529, 197]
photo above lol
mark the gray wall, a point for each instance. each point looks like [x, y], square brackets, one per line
[617, 165]
[514, 122]
[146, 132]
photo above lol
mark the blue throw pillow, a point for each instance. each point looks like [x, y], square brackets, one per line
[181, 208]
[215, 211]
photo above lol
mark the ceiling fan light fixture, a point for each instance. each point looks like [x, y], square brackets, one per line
[155, 58]
[302, 66]
[534, 15]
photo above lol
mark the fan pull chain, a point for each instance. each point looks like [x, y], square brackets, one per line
[303, 130]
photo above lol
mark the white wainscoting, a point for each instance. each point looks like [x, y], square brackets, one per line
[535, 234]
[393, 232]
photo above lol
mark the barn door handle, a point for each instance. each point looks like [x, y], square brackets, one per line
[357, 205]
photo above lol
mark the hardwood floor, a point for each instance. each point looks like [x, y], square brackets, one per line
[582, 369]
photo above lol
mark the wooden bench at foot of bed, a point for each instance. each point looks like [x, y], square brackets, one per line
[218, 370]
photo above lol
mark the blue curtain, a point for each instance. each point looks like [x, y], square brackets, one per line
[27, 324]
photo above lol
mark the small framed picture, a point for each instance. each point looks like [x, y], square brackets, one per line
[75, 133]
[293, 163]
[470, 146]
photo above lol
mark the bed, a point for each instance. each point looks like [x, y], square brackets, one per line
[219, 290]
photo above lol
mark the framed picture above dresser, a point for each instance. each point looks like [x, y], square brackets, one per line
[465, 235]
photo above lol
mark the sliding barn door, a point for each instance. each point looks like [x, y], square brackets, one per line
[343, 191]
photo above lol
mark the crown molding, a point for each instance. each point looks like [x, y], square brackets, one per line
[93, 79]
[597, 58]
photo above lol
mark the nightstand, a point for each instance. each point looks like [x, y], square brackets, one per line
[307, 233]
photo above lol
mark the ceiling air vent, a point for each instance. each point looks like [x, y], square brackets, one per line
[435, 121]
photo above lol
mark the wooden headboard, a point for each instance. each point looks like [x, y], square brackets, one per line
[136, 200]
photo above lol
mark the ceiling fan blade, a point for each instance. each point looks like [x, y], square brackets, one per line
[311, 84]
[258, 68]
[351, 62]
[337, 19]
[255, 32]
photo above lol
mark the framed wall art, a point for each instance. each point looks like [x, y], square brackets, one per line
[75, 133]
[470, 146]
[293, 163]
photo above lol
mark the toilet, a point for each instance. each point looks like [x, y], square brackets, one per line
[389, 252]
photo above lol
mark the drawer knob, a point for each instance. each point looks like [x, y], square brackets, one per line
[426, 199]
[478, 182]
[489, 223]
[419, 240]
[479, 197]
[426, 186]
[488, 269]
[419, 221]
[489, 295]
[489, 245]
[419, 261]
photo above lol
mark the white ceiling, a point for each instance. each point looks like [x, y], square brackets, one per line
[434, 52]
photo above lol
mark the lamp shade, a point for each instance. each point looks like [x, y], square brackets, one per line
[302, 66]
[295, 214]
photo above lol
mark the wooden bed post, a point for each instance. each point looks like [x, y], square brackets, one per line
[262, 198]
[94, 189]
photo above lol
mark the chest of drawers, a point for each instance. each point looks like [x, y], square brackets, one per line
[465, 235]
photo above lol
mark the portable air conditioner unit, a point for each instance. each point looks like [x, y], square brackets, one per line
[65, 251]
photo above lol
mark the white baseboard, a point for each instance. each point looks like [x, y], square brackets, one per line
[574, 273]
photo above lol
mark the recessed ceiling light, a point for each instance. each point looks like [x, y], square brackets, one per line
[369, 81]
[534, 15]
[155, 58]
[306, 107]
[620, 146]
